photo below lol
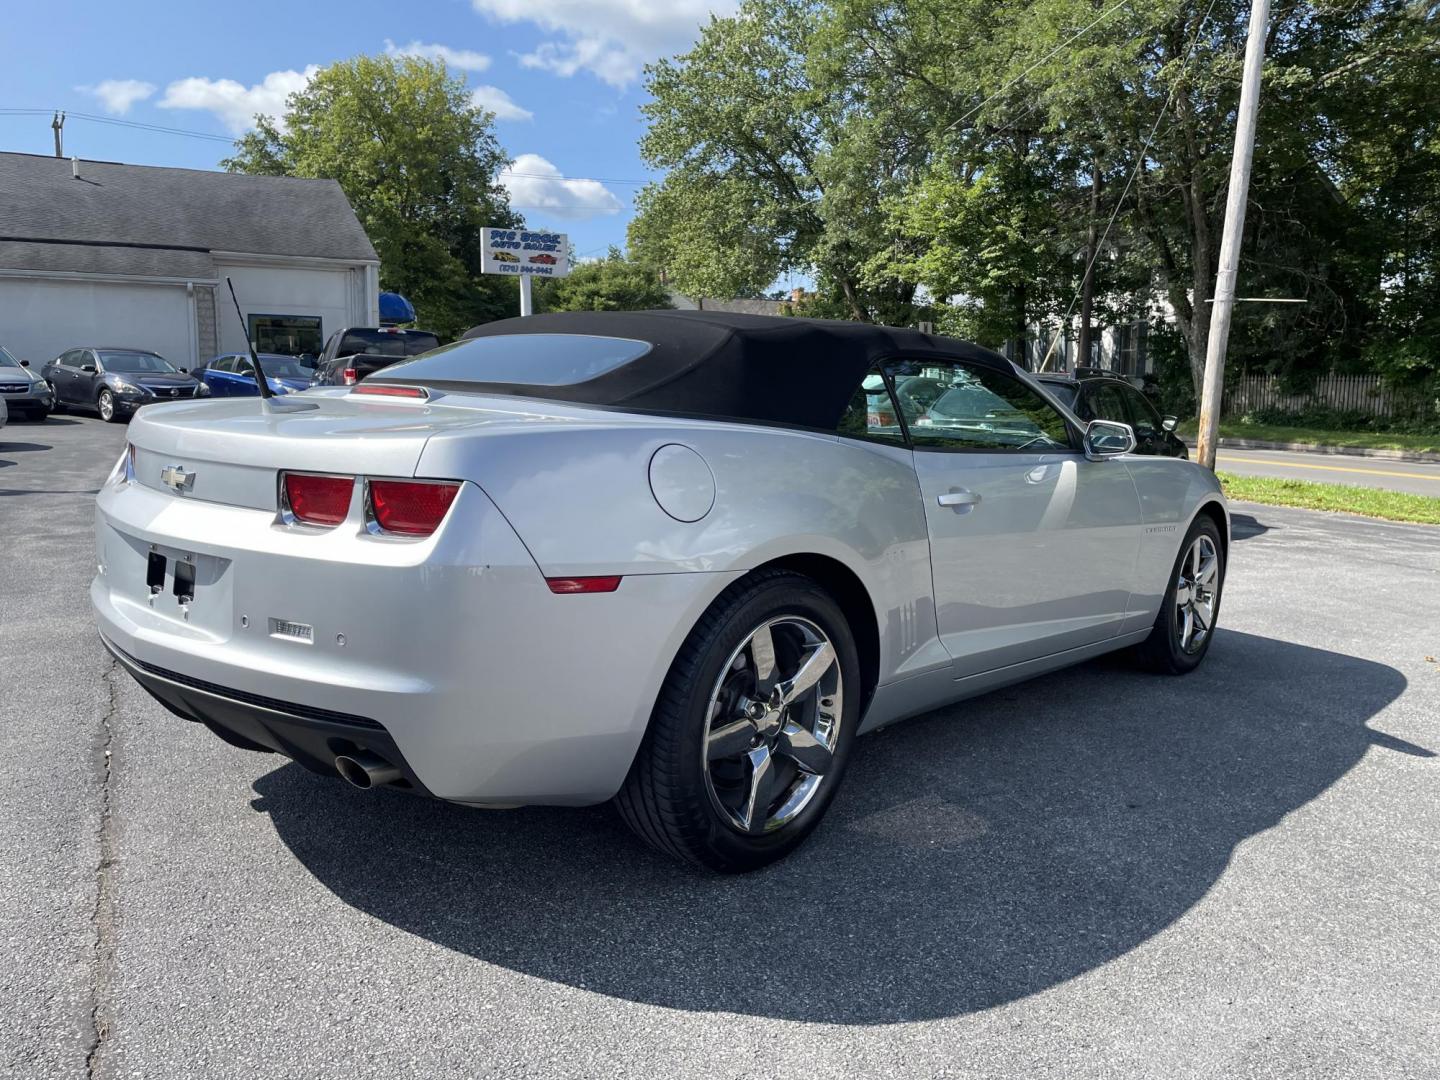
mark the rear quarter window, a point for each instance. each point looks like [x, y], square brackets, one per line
[522, 359]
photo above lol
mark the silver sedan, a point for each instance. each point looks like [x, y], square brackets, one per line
[675, 559]
[23, 391]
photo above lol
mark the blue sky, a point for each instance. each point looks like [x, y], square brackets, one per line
[563, 77]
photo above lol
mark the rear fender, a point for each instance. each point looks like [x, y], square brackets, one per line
[579, 497]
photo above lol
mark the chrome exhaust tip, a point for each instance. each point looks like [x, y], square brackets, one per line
[366, 770]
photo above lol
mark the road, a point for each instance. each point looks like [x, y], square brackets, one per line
[1418, 478]
[1102, 874]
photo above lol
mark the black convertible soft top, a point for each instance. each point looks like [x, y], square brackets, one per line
[759, 368]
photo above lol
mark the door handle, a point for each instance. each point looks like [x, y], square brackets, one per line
[958, 498]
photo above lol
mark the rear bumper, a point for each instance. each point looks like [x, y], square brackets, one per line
[312, 737]
[490, 688]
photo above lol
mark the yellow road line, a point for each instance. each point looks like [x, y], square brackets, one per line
[1222, 457]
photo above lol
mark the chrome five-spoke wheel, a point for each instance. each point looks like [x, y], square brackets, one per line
[773, 719]
[752, 728]
[1184, 627]
[1196, 587]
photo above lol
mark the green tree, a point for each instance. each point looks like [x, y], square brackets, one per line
[767, 171]
[418, 162]
[613, 283]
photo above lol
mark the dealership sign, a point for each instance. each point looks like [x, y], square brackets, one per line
[522, 253]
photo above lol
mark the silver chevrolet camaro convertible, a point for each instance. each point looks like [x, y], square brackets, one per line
[675, 559]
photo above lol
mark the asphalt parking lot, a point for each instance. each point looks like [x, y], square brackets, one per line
[1102, 874]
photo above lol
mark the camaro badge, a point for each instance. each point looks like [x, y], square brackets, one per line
[173, 476]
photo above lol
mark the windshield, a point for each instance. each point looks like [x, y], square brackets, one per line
[143, 363]
[6, 360]
[1062, 392]
[284, 367]
[386, 343]
[526, 359]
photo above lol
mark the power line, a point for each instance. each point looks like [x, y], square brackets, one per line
[143, 126]
[1139, 164]
[190, 133]
[1039, 63]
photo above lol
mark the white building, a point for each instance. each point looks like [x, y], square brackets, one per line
[101, 253]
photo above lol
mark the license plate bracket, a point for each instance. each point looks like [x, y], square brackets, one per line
[184, 581]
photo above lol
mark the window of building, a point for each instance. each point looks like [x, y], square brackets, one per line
[1132, 355]
[292, 335]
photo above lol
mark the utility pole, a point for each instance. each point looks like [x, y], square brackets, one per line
[57, 124]
[1224, 304]
[1087, 284]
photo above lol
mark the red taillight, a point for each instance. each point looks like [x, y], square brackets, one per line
[381, 390]
[349, 376]
[317, 499]
[411, 507]
[582, 584]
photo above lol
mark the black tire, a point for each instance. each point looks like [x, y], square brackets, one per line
[667, 799]
[105, 402]
[1163, 651]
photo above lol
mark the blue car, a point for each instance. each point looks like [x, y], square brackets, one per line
[232, 375]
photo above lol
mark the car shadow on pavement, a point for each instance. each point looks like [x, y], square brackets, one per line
[1246, 527]
[982, 853]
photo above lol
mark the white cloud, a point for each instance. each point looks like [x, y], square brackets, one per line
[459, 59]
[534, 183]
[611, 39]
[610, 64]
[117, 95]
[234, 103]
[493, 99]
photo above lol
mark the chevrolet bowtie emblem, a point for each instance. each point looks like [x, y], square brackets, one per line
[173, 476]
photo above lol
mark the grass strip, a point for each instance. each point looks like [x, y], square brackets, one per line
[1339, 498]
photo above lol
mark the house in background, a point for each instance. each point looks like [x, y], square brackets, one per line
[101, 253]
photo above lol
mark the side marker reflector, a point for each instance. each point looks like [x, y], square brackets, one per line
[565, 585]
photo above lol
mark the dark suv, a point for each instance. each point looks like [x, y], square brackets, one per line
[1096, 394]
[358, 351]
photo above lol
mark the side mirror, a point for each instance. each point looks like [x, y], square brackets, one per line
[1169, 423]
[184, 371]
[24, 363]
[88, 367]
[1106, 439]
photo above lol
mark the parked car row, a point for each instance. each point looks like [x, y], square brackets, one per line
[116, 381]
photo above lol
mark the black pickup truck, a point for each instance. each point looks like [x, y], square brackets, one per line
[357, 351]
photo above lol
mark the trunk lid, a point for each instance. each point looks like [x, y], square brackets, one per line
[232, 450]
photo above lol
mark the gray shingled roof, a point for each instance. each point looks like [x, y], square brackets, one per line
[176, 208]
[106, 259]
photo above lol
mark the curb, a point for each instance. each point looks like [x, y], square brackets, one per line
[1421, 456]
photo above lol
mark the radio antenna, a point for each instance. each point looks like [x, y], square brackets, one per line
[260, 380]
